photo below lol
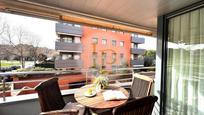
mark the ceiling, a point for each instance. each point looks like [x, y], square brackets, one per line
[142, 13]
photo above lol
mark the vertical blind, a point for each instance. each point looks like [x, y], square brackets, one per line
[185, 64]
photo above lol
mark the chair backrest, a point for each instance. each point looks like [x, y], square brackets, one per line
[141, 85]
[49, 94]
[142, 106]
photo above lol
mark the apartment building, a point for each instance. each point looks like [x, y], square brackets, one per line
[92, 47]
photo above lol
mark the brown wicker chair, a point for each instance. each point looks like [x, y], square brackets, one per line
[51, 100]
[141, 86]
[142, 106]
[61, 112]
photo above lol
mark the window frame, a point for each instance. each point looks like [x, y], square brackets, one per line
[114, 44]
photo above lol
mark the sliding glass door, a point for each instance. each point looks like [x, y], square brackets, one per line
[185, 64]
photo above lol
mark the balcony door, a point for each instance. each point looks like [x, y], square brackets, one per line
[185, 64]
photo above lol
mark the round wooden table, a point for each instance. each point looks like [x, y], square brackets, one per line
[98, 102]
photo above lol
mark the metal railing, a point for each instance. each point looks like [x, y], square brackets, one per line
[120, 76]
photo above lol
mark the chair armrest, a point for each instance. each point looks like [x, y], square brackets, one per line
[61, 112]
[130, 93]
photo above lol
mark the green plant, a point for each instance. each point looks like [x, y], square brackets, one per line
[34, 69]
[101, 82]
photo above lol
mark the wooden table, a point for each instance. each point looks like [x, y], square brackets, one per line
[98, 102]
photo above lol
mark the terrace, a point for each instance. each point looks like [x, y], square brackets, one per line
[178, 26]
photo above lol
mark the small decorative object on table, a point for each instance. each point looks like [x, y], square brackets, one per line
[100, 82]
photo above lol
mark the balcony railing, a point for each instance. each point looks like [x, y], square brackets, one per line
[137, 51]
[137, 40]
[69, 63]
[137, 62]
[69, 30]
[69, 79]
[68, 47]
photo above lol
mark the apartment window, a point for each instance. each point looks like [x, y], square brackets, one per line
[104, 58]
[94, 58]
[114, 42]
[67, 56]
[94, 28]
[121, 32]
[122, 60]
[121, 55]
[103, 29]
[134, 35]
[104, 41]
[68, 39]
[135, 45]
[95, 40]
[122, 43]
[113, 58]
[113, 31]
[77, 25]
[135, 57]
[67, 24]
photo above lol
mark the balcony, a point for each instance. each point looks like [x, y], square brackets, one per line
[137, 51]
[68, 47]
[68, 30]
[137, 40]
[68, 63]
[137, 62]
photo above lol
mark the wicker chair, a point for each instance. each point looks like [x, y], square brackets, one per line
[141, 86]
[142, 106]
[51, 100]
[61, 112]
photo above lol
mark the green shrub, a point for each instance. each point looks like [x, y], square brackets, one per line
[46, 65]
[34, 69]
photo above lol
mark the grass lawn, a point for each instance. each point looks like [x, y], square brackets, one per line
[5, 63]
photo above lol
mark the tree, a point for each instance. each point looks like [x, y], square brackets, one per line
[21, 42]
[34, 48]
[149, 58]
[2, 29]
[42, 57]
[150, 53]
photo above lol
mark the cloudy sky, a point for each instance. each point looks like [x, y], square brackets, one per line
[45, 30]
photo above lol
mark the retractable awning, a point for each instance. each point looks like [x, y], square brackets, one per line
[126, 15]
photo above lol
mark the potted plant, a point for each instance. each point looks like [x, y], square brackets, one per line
[100, 82]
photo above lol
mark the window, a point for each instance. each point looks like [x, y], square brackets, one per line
[185, 73]
[77, 40]
[135, 56]
[67, 24]
[122, 60]
[104, 41]
[135, 45]
[95, 40]
[113, 31]
[103, 58]
[113, 58]
[67, 56]
[103, 29]
[68, 39]
[94, 58]
[94, 28]
[121, 32]
[77, 25]
[122, 43]
[114, 42]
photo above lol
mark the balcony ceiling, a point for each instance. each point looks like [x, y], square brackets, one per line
[142, 13]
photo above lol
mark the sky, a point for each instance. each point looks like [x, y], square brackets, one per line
[45, 30]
